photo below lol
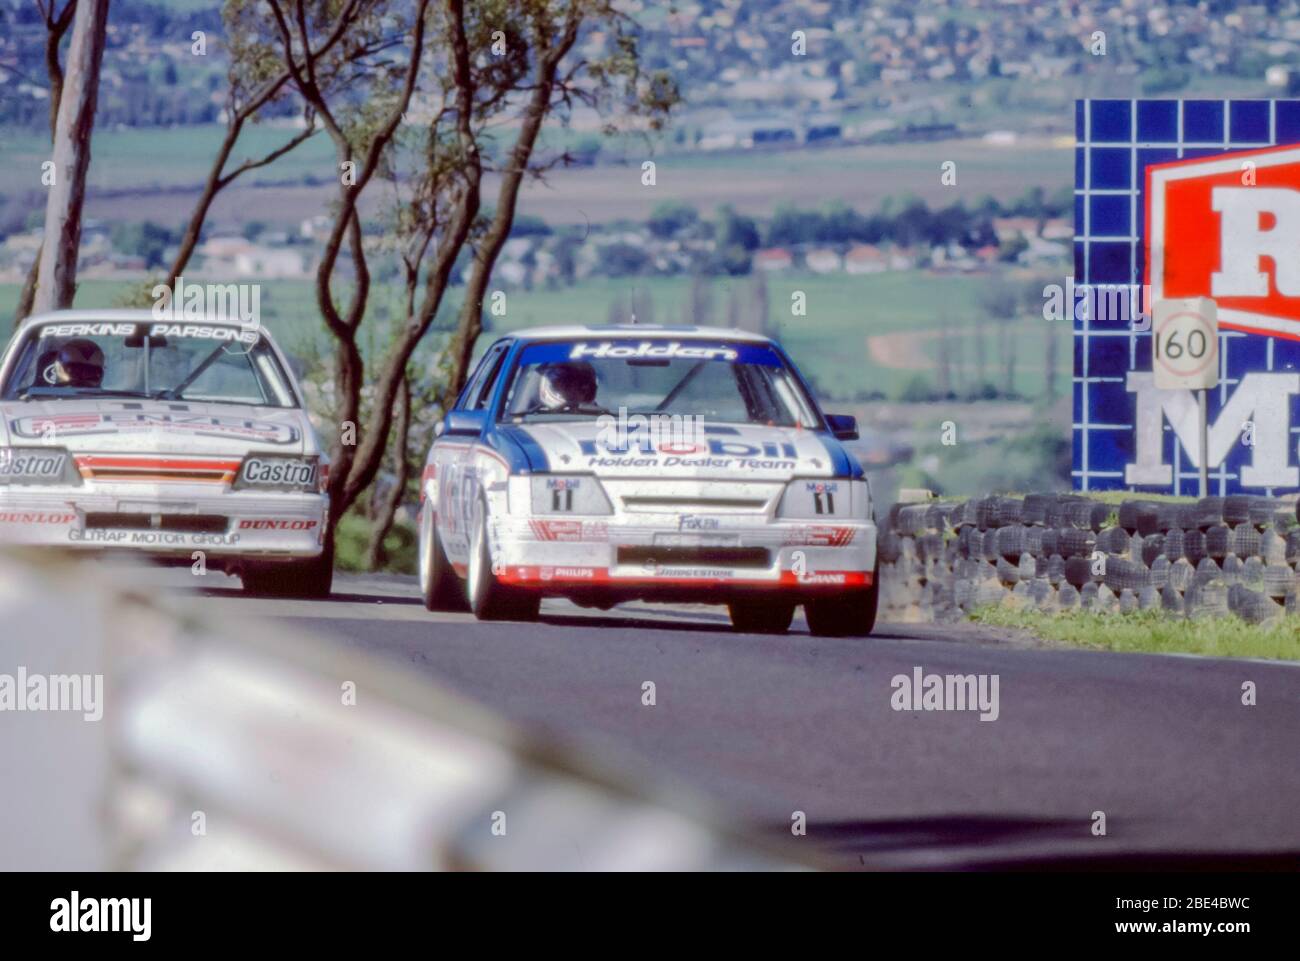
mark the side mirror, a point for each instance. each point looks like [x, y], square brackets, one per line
[465, 422]
[843, 426]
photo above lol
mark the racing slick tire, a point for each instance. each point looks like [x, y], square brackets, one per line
[761, 616]
[852, 614]
[489, 599]
[309, 579]
[440, 588]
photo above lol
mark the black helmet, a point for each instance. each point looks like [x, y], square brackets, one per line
[80, 363]
[567, 384]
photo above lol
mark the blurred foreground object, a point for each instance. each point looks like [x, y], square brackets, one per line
[233, 745]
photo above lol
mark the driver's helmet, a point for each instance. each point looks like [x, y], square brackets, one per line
[80, 363]
[567, 384]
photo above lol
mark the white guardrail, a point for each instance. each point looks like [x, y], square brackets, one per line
[240, 745]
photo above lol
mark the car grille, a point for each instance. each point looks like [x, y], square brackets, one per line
[181, 523]
[703, 554]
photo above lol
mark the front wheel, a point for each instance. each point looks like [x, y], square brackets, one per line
[761, 616]
[852, 614]
[439, 586]
[489, 599]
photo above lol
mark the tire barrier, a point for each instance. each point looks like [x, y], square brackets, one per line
[1212, 557]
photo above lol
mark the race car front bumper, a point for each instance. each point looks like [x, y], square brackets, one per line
[176, 522]
[648, 556]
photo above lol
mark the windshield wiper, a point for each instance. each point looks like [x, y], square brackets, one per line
[593, 409]
[68, 392]
[179, 390]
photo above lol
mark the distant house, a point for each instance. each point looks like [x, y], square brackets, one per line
[1009, 228]
[902, 259]
[865, 259]
[773, 258]
[269, 262]
[1057, 228]
[512, 272]
[822, 261]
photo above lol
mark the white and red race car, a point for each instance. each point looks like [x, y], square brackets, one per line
[679, 464]
[180, 441]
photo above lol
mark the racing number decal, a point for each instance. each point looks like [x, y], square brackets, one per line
[823, 498]
[562, 494]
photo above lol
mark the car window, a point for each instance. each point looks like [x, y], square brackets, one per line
[728, 382]
[474, 387]
[493, 366]
[161, 362]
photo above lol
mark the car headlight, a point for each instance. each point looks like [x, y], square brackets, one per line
[568, 494]
[277, 473]
[33, 466]
[817, 499]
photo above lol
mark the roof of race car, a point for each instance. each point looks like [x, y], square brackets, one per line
[649, 331]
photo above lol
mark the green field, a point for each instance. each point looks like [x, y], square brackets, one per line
[831, 342]
[159, 157]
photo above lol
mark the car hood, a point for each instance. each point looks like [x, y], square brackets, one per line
[749, 452]
[164, 427]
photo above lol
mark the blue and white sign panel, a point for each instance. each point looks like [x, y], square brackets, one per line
[1186, 199]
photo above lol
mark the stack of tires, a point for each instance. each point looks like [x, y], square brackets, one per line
[1061, 552]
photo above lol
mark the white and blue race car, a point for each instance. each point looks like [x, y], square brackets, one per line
[678, 464]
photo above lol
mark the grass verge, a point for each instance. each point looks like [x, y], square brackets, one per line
[1153, 632]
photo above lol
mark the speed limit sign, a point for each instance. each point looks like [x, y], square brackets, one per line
[1185, 344]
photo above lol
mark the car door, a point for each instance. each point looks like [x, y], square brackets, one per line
[454, 460]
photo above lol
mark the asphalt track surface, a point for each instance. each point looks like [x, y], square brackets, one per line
[765, 726]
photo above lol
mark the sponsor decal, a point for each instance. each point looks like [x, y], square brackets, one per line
[31, 465]
[834, 577]
[820, 536]
[694, 522]
[651, 350]
[645, 444]
[132, 421]
[199, 332]
[564, 573]
[569, 530]
[97, 535]
[279, 472]
[37, 517]
[277, 525]
[823, 493]
[87, 330]
[562, 489]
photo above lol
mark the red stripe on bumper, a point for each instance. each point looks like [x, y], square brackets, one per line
[532, 575]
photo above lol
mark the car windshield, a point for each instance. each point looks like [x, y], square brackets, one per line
[724, 381]
[194, 362]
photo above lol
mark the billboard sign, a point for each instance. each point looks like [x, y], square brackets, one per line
[1181, 199]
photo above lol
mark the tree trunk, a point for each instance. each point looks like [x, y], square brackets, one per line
[376, 556]
[57, 277]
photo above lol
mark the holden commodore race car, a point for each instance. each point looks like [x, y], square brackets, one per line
[681, 464]
[164, 438]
